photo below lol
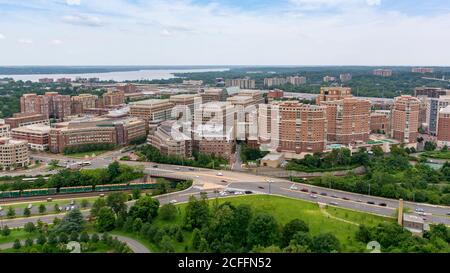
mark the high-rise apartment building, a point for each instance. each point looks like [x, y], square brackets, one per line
[51, 104]
[348, 120]
[245, 83]
[443, 132]
[345, 77]
[383, 72]
[302, 128]
[113, 98]
[333, 93]
[83, 101]
[405, 119]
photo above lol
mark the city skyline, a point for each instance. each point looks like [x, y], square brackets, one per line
[224, 32]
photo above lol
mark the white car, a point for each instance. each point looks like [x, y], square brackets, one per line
[419, 210]
[30, 206]
[219, 174]
[313, 196]
[294, 187]
[173, 201]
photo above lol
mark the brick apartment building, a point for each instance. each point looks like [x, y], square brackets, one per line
[302, 128]
[443, 133]
[348, 120]
[405, 119]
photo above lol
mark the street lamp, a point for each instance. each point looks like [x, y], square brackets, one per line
[270, 182]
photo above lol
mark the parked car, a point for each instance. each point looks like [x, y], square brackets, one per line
[248, 192]
[293, 187]
[370, 203]
[345, 198]
[383, 204]
[323, 193]
[313, 196]
[219, 174]
[304, 190]
[173, 201]
[260, 187]
[334, 203]
[313, 192]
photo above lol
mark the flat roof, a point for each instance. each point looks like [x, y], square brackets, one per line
[34, 128]
[150, 102]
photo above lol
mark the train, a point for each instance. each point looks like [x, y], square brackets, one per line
[80, 189]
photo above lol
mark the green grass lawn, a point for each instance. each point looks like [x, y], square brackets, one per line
[437, 154]
[16, 234]
[284, 210]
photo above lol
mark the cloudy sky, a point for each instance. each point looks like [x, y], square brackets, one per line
[217, 32]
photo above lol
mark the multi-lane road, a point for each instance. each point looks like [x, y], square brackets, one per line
[209, 181]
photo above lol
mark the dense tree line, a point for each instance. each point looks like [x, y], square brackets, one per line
[251, 154]
[394, 238]
[115, 173]
[150, 153]
[337, 159]
[89, 148]
[393, 176]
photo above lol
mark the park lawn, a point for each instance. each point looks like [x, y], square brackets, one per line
[437, 154]
[286, 209]
[16, 234]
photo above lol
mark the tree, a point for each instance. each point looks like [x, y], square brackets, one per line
[145, 208]
[17, 244]
[363, 234]
[116, 201]
[63, 238]
[29, 242]
[95, 238]
[290, 229]
[52, 239]
[29, 227]
[114, 170]
[168, 212]
[326, 243]
[26, 212]
[137, 224]
[73, 236]
[42, 208]
[377, 151]
[430, 146]
[196, 213]
[41, 240]
[196, 238]
[98, 204]
[6, 231]
[166, 245]
[136, 193]
[262, 230]
[73, 221]
[105, 220]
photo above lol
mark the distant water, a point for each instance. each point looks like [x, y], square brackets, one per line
[116, 76]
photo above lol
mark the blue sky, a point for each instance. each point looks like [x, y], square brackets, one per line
[245, 32]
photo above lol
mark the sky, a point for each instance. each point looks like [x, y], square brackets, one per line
[225, 32]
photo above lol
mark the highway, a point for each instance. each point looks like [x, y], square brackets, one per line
[207, 180]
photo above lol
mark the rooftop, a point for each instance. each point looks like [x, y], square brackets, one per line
[34, 128]
[150, 102]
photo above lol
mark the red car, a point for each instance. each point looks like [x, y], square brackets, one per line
[304, 190]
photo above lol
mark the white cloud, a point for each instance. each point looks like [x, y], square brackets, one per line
[83, 20]
[2, 36]
[318, 4]
[25, 41]
[73, 2]
[373, 2]
[56, 42]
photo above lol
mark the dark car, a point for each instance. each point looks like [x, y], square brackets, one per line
[155, 166]
[304, 190]
[248, 192]
[383, 204]
[334, 196]
[370, 203]
[323, 193]
[260, 187]
[314, 192]
[345, 198]
[224, 181]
